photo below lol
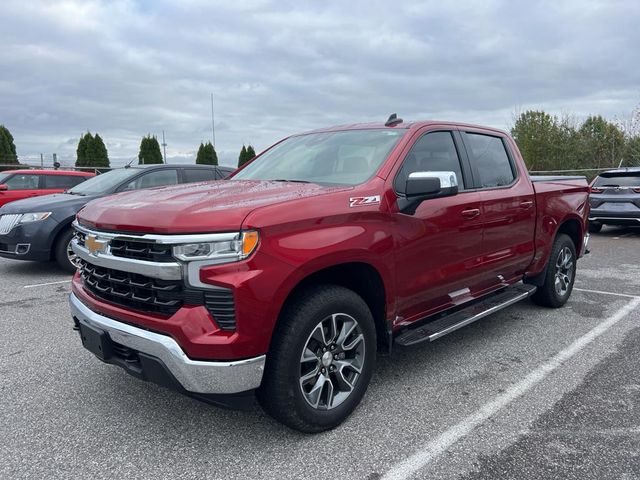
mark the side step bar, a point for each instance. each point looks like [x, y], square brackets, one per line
[449, 323]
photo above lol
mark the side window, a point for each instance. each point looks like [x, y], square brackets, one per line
[23, 181]
[489, 156]
[61, 181]
[198, 175]
[433, 152]
[154, 179]
[221, 174]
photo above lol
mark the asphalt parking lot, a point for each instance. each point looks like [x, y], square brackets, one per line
[527, 393]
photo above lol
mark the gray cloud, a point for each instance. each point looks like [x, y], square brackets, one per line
[127, 68]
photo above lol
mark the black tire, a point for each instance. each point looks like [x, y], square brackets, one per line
[281, 393]
[549, 294]
[595, 227]
[60, 251]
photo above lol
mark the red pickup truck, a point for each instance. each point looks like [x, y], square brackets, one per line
[326, 249]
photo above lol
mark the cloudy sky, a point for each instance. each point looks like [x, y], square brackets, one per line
[128, 68]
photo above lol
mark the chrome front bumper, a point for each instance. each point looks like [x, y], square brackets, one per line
[205, 377]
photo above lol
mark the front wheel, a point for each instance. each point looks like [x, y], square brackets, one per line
[560, 275]
[321, 359]
[65, 256]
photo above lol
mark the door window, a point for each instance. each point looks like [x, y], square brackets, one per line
[433, 152]
[198, 175]
[23, 181]
[154, 179]
[491, 160]
[61, 181]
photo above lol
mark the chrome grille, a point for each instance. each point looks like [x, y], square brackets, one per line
[7, 222]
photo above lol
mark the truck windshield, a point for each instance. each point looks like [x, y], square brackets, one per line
[347, 157]
[104, 183]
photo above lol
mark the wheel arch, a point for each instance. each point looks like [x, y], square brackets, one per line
[359, 276]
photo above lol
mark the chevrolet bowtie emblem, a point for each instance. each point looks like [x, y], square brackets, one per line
[94, 245]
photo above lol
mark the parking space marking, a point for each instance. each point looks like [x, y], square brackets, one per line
[410, 466]
[601, 292]
[48, 283]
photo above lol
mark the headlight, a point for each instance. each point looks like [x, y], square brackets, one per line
[236, 248]
[34, 217]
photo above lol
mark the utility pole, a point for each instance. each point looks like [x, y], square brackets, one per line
[213, 128]
[164, 147]
[41, 161]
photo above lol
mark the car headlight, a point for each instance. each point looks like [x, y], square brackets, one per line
[237, 247]
[34, 217]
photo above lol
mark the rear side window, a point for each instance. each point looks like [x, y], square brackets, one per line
[62, 181]
[223, 173]
[199, 175]
[490, 157]
[154, 179]
[23, 181]
[433, 152]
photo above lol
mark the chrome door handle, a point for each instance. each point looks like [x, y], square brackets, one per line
[527, 204]
[470, 213]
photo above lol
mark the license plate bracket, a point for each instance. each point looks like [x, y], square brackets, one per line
[96, 341]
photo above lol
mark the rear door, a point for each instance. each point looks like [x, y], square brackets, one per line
[508, 207]
[21, 185]
[438, 247]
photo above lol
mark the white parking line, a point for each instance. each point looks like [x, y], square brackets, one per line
[601, 292]
[432, 450]
[48, 283]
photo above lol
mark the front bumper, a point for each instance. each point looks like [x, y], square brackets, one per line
[30, 241]
[149, 348]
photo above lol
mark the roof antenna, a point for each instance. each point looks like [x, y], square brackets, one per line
[128, 165]
[393, 120]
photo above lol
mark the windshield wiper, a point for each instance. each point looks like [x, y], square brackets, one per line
[292, 181]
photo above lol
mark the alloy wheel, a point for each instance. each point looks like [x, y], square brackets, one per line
[565, 267]
[331, 362]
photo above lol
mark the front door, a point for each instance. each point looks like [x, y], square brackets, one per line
[21, 185]
[438, 250]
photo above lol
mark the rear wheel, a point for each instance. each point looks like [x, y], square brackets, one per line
[65, 256]
[560, 275]
[595, 227]
[321, 359]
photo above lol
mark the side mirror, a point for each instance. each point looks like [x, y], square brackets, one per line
[3, 188]
[422, 186]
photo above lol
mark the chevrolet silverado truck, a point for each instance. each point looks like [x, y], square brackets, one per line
[327, 249]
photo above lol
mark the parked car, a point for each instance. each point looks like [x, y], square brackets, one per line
[615, 198]
[40, 228]
[19, 184]
[329, 246]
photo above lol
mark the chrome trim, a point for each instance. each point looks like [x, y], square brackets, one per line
[447, 179]
[161, 239]
[160, 270]
[604, 219]
[194, 375]
[15, 250]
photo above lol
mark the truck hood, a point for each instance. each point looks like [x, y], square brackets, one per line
[193, 208]
[46, 203]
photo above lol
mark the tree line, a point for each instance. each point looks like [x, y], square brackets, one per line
[91, 151]
[549, 142]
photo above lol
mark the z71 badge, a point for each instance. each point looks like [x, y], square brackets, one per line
[364, 201]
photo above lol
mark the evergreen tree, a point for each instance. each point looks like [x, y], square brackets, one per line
[81, 151]
[8, 153]
[149, 151]
[242, 158]
[251, 153]
[100, 152]
[207, 155]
